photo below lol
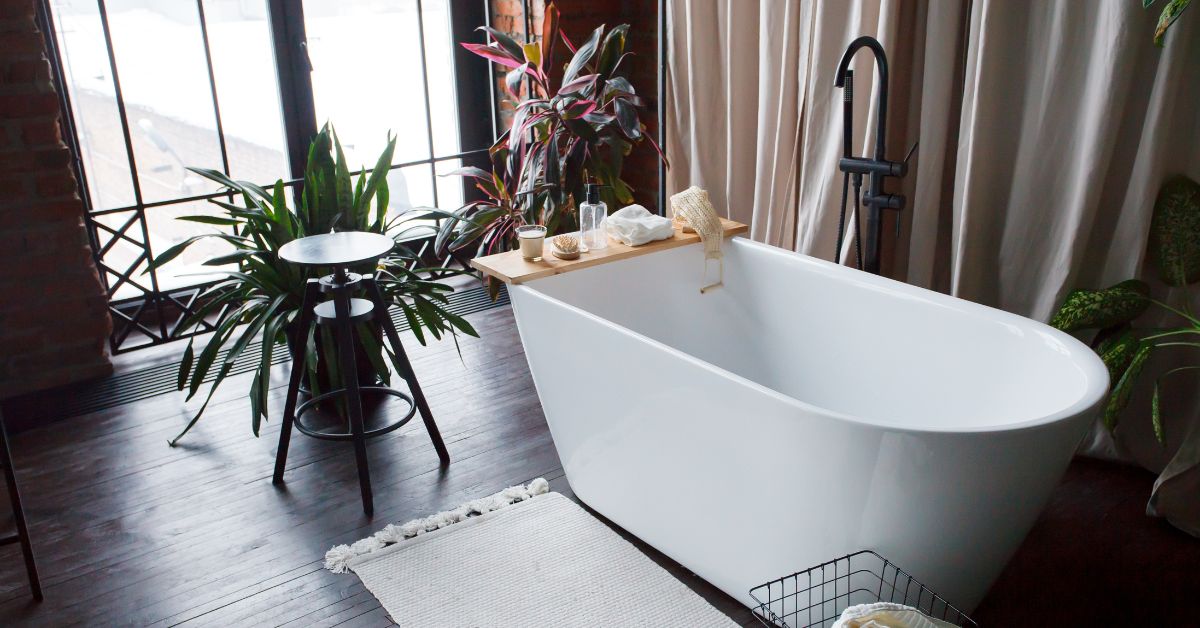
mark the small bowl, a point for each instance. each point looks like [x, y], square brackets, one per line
[561, 255]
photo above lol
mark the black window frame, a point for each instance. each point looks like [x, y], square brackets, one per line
[153, 317]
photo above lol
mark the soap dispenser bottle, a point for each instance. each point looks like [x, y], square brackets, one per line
[592, 216]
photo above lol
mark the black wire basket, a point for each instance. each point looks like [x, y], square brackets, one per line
[817, 596]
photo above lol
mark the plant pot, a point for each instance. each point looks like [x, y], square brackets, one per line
[367, 376]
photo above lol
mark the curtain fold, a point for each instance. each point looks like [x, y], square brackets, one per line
[1045, 129]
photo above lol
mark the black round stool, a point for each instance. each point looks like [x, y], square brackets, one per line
[341, 251]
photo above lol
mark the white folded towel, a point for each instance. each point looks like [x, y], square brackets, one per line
[887, 615]
[635, 225]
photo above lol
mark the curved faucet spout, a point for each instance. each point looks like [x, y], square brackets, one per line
[881, 61]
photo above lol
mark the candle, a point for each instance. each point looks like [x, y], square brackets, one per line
[532, 238]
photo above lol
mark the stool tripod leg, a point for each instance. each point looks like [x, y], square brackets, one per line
[410, 376]
[345, 338]
[311, 292]
[14, 496]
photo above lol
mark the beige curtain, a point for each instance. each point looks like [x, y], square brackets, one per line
[1045, 128]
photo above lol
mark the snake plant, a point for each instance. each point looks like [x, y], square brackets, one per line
[1175, 251]
[260, 296]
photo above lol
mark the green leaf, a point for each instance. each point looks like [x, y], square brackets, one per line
[378, 177]
[211, 220]
[583, 55]
[1175, 232]
[1156, 417]
[506, 42]
[185, 366]
[230, 258]
[374, 352]
[1119, 398]
[1117, 352]
[1097, 309]
[611, 51]
[1170, 13]
[1146, 3]
[413, 323]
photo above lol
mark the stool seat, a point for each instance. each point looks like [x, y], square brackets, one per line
[361, 310]
[345, 248]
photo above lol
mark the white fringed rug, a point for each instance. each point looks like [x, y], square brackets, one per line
[541, 561]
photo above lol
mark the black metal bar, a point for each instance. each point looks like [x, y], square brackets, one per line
[474, 85]
[212, 86]
[405, 368]
[662, 107]
[290, 182]
[491, 77]
[425, 93]
[133, 171]
[299, 342]
[344, 330]
[70, 132]
[295, 80]
[14, 497]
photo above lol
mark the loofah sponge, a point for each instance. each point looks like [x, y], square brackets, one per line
[692, 208]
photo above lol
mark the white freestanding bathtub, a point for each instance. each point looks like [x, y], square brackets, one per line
[802, 412]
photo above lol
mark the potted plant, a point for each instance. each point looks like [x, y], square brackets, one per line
[569, 127]
[262, 295]
[1109, 314]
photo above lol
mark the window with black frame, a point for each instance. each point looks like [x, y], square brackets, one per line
[152, 87]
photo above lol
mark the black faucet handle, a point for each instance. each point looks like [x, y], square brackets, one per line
[861, 165]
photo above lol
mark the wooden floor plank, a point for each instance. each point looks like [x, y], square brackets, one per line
[129, 531]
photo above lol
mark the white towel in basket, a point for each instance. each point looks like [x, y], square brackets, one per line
[887, 615]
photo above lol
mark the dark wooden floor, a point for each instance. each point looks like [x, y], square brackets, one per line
[131, 532]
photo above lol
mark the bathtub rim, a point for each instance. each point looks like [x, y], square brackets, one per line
[1093, 369]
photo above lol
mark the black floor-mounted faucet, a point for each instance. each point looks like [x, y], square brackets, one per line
[876, 168]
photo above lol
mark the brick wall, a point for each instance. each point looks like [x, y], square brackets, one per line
[53, 315]
[578, 19]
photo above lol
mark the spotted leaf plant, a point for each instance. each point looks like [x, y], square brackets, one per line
[1108, 314]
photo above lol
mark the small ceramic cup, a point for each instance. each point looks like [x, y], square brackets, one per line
[533, 241]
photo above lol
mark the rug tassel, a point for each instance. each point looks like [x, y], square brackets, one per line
[338, 558]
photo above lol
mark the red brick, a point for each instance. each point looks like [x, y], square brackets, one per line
[15, 24]
[10, 9]
[55, 184]
[13, 186]
[54, 321]
[28, 105]
[21, 43]
[41, 132]
[27, 71]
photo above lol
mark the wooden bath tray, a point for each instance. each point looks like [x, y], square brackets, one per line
[510, 267]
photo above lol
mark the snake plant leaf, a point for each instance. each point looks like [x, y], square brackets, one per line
[1097, 309]
[1117, 352]
[185, 365]
[1146, 3]
[1170, 13]
[1119, 398]
[211, 220]
[1175, 232]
